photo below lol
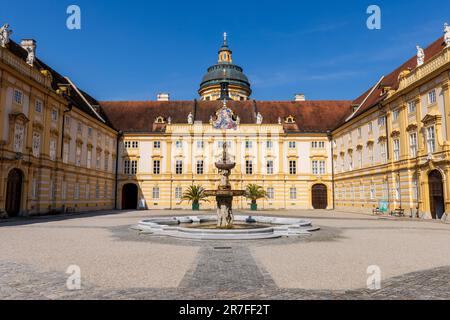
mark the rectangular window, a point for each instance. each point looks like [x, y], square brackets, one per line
[80, 128]
[179, 167]
[322, 167]
[64, 190]
[293, 193]
[97, 191]
[19, 135]
[90, 131]
[269, 144]
[269, 166]
[318, 167]
[106, 162]
[157, 144]
[248, 144]
[432, 96]
[130, 167]
[178, 193]
[53, 146]
[76, 191]
[431, 139]
[359, 132]
[126, 167]
[270, 193]
[396, 149]
[292, 144]
[179, 144]
[89, 159]
[292, 167]
[155, 193]
[18, 96]
[34, 189]
[156, 166]
[350, 162]
[52, 190]
[134, 164]
[397, 190]
[372, 192]
[315, 167]
[411, 107]
[200, 145]
[383, 151]
[66, 153]
[88, 191]
[382, 121]
[36, 144]
[248, 167]
[200, 167]
[78, 156]
[38, 106]
[395, 115]
[413, 144]
[371, 159]
[370, 126]
[134, 144]
[98, 161]
[360, 159]
[105, 191]
[415, 189]
[54, 114]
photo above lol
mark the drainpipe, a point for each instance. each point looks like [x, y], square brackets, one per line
[119, 136]
[330, 138]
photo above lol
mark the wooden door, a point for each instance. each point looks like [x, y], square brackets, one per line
[14, 193]
[319, 196]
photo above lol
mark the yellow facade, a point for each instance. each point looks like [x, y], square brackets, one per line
[260, 144]
[36, 152]
[401, 142]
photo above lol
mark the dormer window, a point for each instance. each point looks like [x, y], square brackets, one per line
[290, 119]
[160, 120]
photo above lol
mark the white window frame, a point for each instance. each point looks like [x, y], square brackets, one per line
[431, 139]
[413, 144]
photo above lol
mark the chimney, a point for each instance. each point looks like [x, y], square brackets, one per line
[30, 46]
[163, 97]
[300, 97]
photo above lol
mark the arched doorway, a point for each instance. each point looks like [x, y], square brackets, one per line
[129, 196]
[436, 189]
[319, 196]
[14, 192]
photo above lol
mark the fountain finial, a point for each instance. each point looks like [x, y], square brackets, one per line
[224, 152]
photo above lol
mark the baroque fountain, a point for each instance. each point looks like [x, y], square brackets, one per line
[224, 195]
[225, 225]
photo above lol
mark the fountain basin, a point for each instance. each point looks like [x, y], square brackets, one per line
[262, 228]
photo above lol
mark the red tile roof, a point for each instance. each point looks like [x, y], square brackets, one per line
[392, 79]
[310, 116]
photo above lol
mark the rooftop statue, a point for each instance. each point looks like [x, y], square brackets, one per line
[5, 33]
[447, 35]
[420, 56]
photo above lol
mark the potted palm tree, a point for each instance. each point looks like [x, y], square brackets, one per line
[195, 194]
[255, 192]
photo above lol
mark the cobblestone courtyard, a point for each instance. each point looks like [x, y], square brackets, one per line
[118, 263]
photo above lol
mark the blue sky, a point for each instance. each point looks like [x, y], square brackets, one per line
[131, 50]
